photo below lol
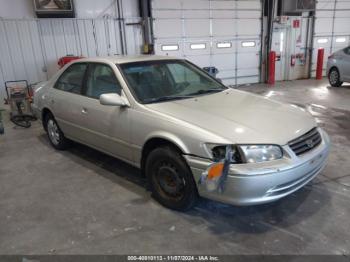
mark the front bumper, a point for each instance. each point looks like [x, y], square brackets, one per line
[258, 183]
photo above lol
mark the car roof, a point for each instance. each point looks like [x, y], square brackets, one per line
[120, 59]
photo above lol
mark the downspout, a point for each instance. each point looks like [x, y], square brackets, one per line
[262, 41]
[145, 7]
[311, 44]
[121, 26]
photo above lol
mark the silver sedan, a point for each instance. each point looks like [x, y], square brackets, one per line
[190, 135]
[338, 67]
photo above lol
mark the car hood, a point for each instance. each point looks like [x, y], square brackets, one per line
[241, 117]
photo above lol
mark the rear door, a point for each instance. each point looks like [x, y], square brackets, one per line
[67, 101]
[107, 127]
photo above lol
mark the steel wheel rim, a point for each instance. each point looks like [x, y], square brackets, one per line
[333, 77]
[168, 181]
[53, 132]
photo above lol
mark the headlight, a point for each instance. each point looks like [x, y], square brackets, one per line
[245, 153]
[260, 153]
[218, 152]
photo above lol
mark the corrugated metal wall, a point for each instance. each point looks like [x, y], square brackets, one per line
[30, 48]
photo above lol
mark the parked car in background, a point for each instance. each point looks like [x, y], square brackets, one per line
[191, 135]
[338, 67]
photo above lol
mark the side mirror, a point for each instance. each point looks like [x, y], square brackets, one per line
[113, 100]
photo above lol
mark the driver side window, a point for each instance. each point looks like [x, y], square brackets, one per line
[101, 79]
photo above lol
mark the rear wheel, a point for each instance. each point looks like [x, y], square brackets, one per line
[171, 180]
[334, 78]
[54, 133]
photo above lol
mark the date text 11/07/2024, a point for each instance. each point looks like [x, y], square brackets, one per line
[173, 258]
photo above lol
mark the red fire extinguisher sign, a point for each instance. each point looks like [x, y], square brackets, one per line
[296, 23]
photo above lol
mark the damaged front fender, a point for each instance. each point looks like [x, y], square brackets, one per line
[214, 177]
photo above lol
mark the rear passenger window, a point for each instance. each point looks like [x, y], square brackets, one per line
[101, 79]
[72, 79]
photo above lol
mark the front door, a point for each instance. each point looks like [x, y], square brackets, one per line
[107, 127]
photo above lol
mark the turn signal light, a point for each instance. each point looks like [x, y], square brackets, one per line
[215, 171]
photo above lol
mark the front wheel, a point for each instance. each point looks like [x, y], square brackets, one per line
[54, 133]
[334, 78]
[170, 179]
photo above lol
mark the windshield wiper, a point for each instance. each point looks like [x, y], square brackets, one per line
[207, 91]
[167, 98]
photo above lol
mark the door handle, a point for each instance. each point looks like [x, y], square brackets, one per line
[84, 111]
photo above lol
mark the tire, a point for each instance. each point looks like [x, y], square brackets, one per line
[170, 179]
[54, 133]
[334, 78]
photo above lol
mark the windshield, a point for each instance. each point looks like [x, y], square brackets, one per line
[165, 80]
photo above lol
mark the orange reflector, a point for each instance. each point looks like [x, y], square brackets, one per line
[215, 170]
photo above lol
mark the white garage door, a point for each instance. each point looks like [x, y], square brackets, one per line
[224, 34]
[332, 28]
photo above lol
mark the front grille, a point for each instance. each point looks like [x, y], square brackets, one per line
[306, 142]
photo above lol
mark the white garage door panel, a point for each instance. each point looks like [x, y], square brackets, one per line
[332, 27]
[195, 4]
[168, 28]
[343, 5]
[342, 13]
[196, 14]
[166, 4]
[226, 74]
[221, 25]
[197, 27]
[249, 5]
[249, 60]
[249, 49]
[221, 5]
[342, 25]
[340, 45]
[251, 72]
[248, 27]
[232, 13]
[249, 14]
[158, 49]
[223, 14]
[224, 62]
[193, 47]
[167, 14]
[200, 60]
[324, 4]
[323, 25]
[224, 27]
[247, 80]
[229, 47]
[325, 14]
